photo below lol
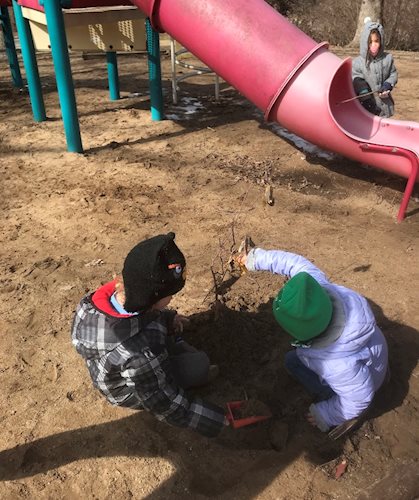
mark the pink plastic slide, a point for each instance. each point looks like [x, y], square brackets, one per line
[291, 78]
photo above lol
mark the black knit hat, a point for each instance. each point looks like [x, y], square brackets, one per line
[153, 269]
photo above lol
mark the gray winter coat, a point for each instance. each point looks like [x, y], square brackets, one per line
[375, 71]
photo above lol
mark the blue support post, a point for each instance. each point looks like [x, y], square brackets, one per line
[65, 86]
[113, 79]
[10, 47]
[154, 71]
[29, 62]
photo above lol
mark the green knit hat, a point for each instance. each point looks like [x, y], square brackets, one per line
[302, 307]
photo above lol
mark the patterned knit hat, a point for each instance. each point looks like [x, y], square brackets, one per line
[153, 269]
[302, 307]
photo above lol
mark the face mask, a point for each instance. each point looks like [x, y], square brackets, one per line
[374, 50]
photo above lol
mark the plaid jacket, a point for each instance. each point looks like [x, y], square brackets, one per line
[128, 362]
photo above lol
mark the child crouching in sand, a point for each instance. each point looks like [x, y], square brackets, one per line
[128, 339]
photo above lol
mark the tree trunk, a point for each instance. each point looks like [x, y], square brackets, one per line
[369, 8]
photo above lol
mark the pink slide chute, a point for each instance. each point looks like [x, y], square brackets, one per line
[294, 80]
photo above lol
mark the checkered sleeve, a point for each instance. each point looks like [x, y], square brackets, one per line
[151, 386]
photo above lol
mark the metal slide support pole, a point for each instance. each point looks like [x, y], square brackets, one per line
[65, 86]
[173, 67]
[29, 62]
[10, 47]
[154, 71]
[414, 162]
[113, 79]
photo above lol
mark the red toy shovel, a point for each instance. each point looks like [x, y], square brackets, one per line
[236, 422]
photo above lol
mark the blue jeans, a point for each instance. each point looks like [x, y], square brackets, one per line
[306, 377]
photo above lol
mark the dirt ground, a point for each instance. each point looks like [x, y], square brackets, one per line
[67, 222]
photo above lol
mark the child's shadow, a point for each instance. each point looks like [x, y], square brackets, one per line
[242, 461]
[403, 353]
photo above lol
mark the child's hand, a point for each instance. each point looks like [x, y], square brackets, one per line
[384, 94]
[241, 259]
[179, 322]
[385, 89]
[311, 420]
[315, 419]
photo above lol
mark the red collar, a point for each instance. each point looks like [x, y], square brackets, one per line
[101, 299]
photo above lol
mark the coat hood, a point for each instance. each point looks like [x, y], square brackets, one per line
[98, 329]
[363, 44]
[351, 328]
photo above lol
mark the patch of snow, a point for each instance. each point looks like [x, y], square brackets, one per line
[187, 106]
[302, 144]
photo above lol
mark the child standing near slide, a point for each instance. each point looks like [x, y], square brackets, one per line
[374, 71]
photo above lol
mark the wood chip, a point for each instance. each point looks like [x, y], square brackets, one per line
[269, 195]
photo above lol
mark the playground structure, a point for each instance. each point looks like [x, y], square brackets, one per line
[294, 80]
[105, 25]
[176, 59]
[9, 43]
[108, 29]
[93, 29]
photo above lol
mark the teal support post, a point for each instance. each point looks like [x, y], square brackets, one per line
[29, 62]
[113, 79]
[65, 86]
[10, 47]
[154, 71]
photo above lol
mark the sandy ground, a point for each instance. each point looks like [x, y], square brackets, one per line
[68, 221]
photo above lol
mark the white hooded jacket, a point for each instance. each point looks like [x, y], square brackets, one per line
[355, 363]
